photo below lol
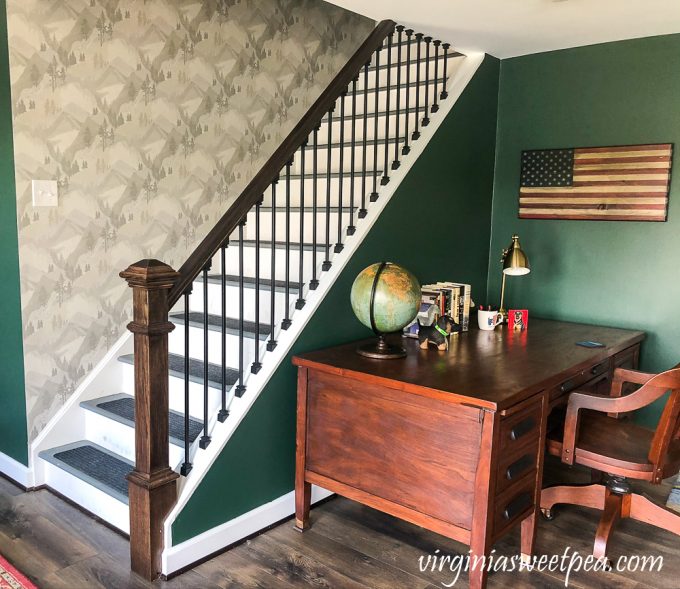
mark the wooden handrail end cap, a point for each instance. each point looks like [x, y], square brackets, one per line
[150, 274]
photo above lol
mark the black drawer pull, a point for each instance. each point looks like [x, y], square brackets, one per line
[523, 427]
[519, 467]
[517, 506]
[596, 369]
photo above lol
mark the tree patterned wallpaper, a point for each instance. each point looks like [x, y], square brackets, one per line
[151, 115]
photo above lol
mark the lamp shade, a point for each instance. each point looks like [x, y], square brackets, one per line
[515, 261]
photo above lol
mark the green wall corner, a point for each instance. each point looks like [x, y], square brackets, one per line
[437, 225]
[14, 437]
[622, 274]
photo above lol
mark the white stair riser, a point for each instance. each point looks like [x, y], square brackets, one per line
[322, 165]
[414, 50]
[395, 94]
[294, 221]
[405, 69]
[321, 184]
[176, 394]
[88, 497]
[196, 346]
[119, 438]
[232, 261]
[232, 300]
[370, 127]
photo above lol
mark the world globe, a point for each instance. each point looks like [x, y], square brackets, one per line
[385, 298]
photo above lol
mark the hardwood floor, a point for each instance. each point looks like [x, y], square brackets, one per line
[349, 546]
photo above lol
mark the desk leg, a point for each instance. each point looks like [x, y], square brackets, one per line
[480, 535]
[528, 528]
[528, 536]
[479, 573]
[303, 489]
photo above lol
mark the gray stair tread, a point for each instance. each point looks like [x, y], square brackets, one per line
[93, 464]
[414, 60]
[321, 176]
[413, 41]
[215, 324]
[381, 113]
[121, 408]
[249, 282]
[279, 244]
[359, 142]
[176, 365]
[306, 209]
[412, 84]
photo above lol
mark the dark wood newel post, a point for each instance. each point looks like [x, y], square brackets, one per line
[152, 483]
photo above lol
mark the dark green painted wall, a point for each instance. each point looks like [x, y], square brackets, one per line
[13, 431]
[437, 225]
[612, 273]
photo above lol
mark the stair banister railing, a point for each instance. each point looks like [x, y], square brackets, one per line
[156, 290]
[263, 179]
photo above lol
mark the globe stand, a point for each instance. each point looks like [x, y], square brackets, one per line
[381, 350]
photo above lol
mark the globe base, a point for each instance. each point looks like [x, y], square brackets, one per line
[381, 350]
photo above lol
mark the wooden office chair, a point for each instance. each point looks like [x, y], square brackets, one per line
[620, 449]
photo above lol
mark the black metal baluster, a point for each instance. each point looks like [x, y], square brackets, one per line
[286, 323]
[271, 344]
[396, 163]
[416, 131]
[186, 465]
[437, 43]
[386, 178]
[204, 442]
[223, 413]
[257, 365]
[314, 283]
[300, 303]
[406, 148]
[426, 118]
[376, 121]
[341, 170]
[351, 228]
[240, 388]
[327, 261]
[444, 94]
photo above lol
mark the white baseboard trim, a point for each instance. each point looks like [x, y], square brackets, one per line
[16, 471]
[187, 553]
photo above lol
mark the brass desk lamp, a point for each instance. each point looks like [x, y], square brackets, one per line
[515, 263]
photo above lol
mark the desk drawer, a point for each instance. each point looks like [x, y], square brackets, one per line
[584, 379]
[514, 466]
[514, 505]
[628, 358]
[520, 428]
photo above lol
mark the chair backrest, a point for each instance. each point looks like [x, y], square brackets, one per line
[669, 423]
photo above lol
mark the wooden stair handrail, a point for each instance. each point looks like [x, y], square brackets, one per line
[258, 185]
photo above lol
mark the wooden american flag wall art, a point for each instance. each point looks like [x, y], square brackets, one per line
[625, 183]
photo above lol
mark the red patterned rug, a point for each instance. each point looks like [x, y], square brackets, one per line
[10, 578]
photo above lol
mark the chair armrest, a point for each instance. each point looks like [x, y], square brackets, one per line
[583, 400]
[624, 375]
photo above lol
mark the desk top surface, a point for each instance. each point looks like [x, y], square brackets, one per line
[490, 369]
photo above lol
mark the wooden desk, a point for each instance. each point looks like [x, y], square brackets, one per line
[451, 441]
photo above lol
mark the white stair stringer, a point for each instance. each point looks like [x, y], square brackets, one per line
[180, 556]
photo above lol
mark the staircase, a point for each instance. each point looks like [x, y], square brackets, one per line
[226, 314]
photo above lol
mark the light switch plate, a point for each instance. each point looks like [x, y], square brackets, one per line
[45, 193]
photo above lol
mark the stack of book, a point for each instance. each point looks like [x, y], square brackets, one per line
[443, 298]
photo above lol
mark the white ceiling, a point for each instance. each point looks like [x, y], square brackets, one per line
[507, 28]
